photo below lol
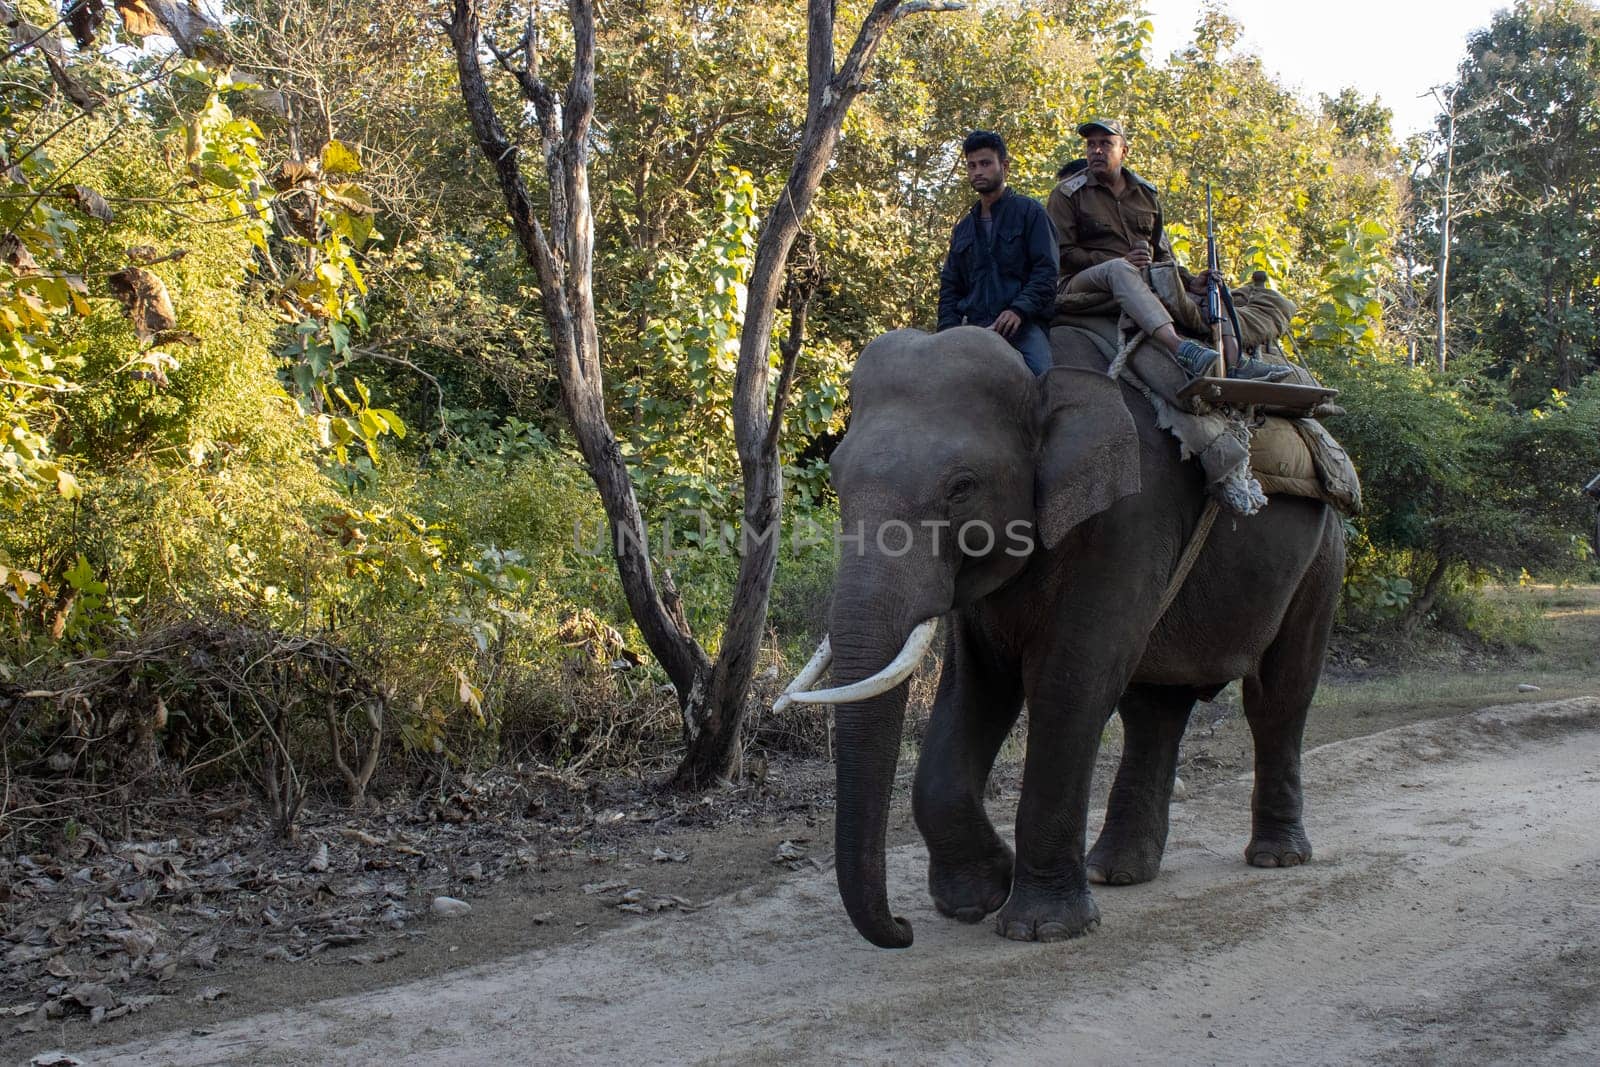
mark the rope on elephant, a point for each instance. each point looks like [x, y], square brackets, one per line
[1122, 356]
[1197, 541]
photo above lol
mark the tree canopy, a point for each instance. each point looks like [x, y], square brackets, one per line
[271, 353]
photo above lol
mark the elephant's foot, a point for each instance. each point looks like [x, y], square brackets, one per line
[1278, 846]
[1037, 914]
[1124, 859]
[968, 891]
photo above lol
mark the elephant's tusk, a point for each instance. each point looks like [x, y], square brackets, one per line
[898, 670]
[808, 675]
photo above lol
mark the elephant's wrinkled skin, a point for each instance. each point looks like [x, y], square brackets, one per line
[952, 428]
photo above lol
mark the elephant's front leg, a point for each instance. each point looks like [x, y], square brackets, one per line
[1050, 898]
[969, 867]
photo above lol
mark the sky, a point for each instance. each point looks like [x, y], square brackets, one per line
[1394, 49]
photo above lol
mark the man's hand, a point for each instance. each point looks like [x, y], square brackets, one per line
[1139, 256]
[1006, 323]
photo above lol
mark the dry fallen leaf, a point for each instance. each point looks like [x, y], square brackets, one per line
[92, 995]
[144, 296]
[91, 202]
[319, 859]
[661, 855]
[84, 19]
[788, 852]
[15, 255]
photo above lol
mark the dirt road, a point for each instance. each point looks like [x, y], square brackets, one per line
[1452, 914]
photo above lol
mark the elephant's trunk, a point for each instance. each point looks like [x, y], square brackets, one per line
[867, 745]
[868, 629]
[880, 603]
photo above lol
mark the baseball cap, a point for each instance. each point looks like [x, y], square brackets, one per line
[1100, 126]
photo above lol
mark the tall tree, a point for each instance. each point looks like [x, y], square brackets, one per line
[712, 694]
[1527, 117]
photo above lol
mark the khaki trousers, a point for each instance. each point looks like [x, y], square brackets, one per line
[1126, 283]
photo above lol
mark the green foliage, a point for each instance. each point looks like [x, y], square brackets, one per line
[1378, 595]
[347, 299]
[692, 308]
[1525, 281]
[1346, 319]
[37, 295]
[1455, 479]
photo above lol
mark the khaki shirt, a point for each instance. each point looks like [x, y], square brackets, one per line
[1094, 225]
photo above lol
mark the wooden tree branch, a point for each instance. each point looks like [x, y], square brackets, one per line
[578, 116]
[713, 726]
[712, 695]
[819, 60]
[917, 7]
[568, 304]
[502, 154]
[789, 349]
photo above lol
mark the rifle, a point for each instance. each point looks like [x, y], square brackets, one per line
[1214, 290]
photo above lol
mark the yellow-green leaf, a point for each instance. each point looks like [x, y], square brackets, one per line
[340, 158]
[67, 485]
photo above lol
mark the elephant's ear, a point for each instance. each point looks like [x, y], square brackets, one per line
[1088, 450]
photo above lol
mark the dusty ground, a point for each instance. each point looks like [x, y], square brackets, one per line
[1450, 914]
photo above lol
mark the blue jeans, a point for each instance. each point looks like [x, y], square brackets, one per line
[1034, 344]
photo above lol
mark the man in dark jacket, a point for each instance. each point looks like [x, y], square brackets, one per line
[1000, 272]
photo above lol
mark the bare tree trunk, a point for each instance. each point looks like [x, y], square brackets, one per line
[712, 696]
[1566, 376]
[712, 724]
[1440, 346]
[1419, 608]
[564, 268]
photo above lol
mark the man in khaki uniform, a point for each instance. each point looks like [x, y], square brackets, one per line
[1108, 227]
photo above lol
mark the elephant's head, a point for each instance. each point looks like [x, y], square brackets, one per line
[957, 466]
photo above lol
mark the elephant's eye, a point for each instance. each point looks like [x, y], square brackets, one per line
[961, 487]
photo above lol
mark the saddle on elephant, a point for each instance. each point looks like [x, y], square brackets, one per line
[1245, 456]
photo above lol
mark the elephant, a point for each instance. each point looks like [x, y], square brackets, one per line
[1042, 519]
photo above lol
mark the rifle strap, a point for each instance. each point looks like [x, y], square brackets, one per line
[1197, 541]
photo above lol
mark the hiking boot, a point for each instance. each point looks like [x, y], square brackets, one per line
[1256, 370]
[1196, 358]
